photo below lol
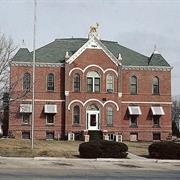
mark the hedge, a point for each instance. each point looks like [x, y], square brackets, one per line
[164, 150]
[103, 149]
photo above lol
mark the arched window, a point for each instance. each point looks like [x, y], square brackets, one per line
[76, 114]
[109, 83]
[155, 85]
[50, 82]
[76, 82]
[93, 82]
[109, 116]
[26, 82]
[133, 85]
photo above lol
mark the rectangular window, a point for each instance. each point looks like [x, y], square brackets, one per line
[133, 121]
[50, 118]
[76, 86]
[156, 121]
[110, 85]
[76, 82]
[50, 82]
[26, 118]
[49, 135]
[133, 136]
[157, 136]
[90, 84]
[111, 137]
[156, 90]
[26, 135]
[133, 89]
[97, 85]
[50, 86]
[109, 117]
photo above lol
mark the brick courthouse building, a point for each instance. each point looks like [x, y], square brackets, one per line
[85, 85]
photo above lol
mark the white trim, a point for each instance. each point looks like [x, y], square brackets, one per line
[38, 64]
[93, 65]
[88, 121]
[99, 44]
[109, 69]
[93, 100]
[83, 104]
[144, 102]
[41, 100]
[110, 101]
[75, 69]
[73, 102]
[146, 68]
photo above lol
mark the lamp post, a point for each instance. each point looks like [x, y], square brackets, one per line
[33, 77]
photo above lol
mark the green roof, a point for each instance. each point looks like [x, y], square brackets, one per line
[23, 55]
[55, 51]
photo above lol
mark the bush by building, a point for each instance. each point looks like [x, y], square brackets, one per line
[103, 149]
[164, 150]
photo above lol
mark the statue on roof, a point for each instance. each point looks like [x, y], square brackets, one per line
[93, 31]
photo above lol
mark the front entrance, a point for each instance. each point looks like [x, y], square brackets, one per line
[92, 121]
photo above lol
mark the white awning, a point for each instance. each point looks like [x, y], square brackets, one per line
[50, 108]
[157, 110]
[26, 108]
[134, 110]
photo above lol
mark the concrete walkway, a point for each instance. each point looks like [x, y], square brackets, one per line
[133, 156]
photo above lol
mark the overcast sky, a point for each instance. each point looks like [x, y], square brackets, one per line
[136, 24]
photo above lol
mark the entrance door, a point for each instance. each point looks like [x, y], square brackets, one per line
[93, 120]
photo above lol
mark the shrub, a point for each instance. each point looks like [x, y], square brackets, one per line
[164, 150]
[103, 149]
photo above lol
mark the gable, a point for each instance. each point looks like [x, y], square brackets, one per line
[93, 43]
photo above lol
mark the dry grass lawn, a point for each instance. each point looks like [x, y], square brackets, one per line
[22, 148]
[68, 149]
[138, 148]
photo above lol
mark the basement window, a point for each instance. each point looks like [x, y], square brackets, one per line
[26, 135]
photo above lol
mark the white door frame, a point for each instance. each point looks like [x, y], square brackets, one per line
[88, 116]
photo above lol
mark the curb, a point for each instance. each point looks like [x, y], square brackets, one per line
[91, 160]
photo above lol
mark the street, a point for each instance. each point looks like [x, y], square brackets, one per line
[62, 168]
[39, 174]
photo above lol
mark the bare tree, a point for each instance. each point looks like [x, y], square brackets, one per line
[7, 50]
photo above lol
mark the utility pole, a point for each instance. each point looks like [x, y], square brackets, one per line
[33, 76]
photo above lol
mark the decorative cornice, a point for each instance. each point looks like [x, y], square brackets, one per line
[89, 100]
[29, 64]
[147, 68]
[93, 43]
[145, 102]
[93, 65]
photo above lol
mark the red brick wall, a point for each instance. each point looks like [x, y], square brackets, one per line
[64, 82]
[42, 97]
[91, 57]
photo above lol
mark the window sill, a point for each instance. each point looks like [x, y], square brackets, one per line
[156, 126]
[24, 124]
[50, 91]
[110, 125]
[50, 124]
[76, 125]
[133, 126]
[133, 94]
[109, 92]
[156, 94]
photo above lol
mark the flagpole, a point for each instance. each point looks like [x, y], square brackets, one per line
[33, 77]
